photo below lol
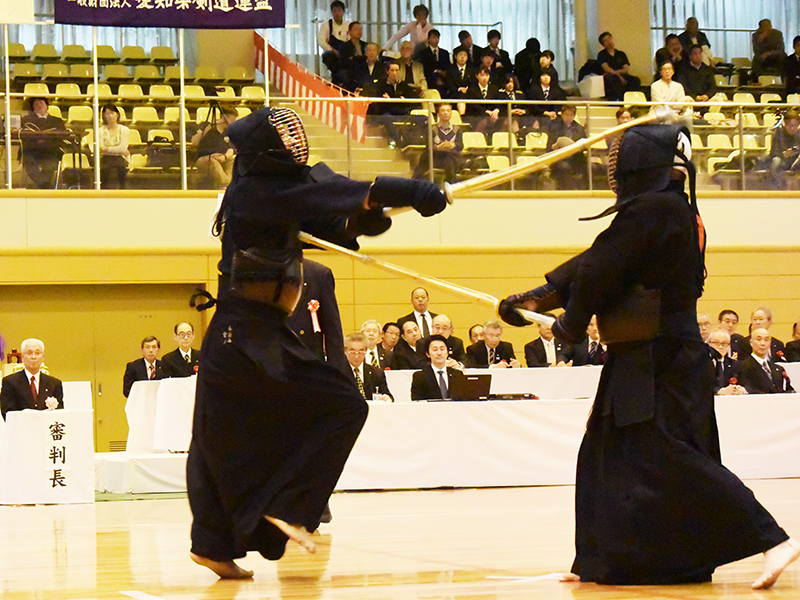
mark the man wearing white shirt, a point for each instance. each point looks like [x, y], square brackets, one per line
[371, 381]
[591, 351]
[30, 387]
[376, 355]
[183, 361]
[667, 91]
[146, 368]
[333, 35]
[758, 373]
[544, 350]
[420, 315]
[434, 380]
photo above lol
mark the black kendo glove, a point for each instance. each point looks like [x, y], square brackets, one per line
[423, 196]
[545, 296]
[368, 222]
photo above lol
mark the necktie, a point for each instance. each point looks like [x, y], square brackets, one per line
[152, 371]
[426, 332]
[443, 386]
[409, 73]
[34, 392]
[373, 359]
[546, 93]
[765, 366]
[359, 382]
[491, 356]
[187, 358]
[436, 54]
[592, 350]
[483, 92]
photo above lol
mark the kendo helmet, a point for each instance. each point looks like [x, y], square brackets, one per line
[276, 132]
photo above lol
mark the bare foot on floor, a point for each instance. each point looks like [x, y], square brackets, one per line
[226, 569]
[296, 533]
[569, 578]
[775, 561]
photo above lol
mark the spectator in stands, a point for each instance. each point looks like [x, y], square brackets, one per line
[696, 77]
[370, 380]
[791, 74]
[769, 51]
[114, 153]
[353, 51]
[761, 318]
[376, 355]
[215, 154]
[692, 36]
[492, 351]
[591, 351]
[704, 324]
[509, 92]
[443, 326]
[368, 72]
[40, 153]
[728, 320]
[667, 91]
[417, 30]
[502, 65]
[759, 374]
[435, 62]
[420, 315]
[792, 349]
[31, 387]
[411, 70]
[483, 116]
[184, 360]
[460, 75]
[147, 367]
[546, 59]
[526, 63]
[391, 335]
[615, 67]
[386, 113]
[447, 146]
[433, 381]
[726, 369]
[487, 61]
[475, 333]
[570, 172]
[405, 355]
[785, 151]
[544, 90]
[465, 42]
[545, 350]
[332, 36]
[672, 52]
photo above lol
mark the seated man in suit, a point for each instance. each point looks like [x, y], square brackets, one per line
[435, 62]
[491, 351]
[370, 380]
[459, 76]
[147, 367]
[591, 351]
[759, 373]
[30, 387]
[569, 173]
[420, 315]
[405, 354]
[182, 362]
[443, 326]
[386, 113]
[351, 52]
[792, 350]
[544, 90]
[389, 337]
[447, 146]
[368, 72]
[474, 52]
[726, 369]
[433, 381]
[41, 154]
[502, 64]
[377, 355]
[483, 116]
[761, 318]
[545, 350]
[411, 71]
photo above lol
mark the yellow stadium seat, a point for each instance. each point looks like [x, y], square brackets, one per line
[74, 53]
[116, 73]
[768, 97]
[239, 76]
[162, 56]
[79, 116]
[172, 74]
[134, 138]
[770, 119]
[225, 92]
[44, 53]
[172, 115]
[130, 91]
[55, 72]
[769, 80]
[161, 133]
[35, 89]
[133, 55]
[207, 75]
[17, 52]
[68, 92]
[252, 94]
[474, 141]
[741, 62]
[497, 162]
[634, 98]
[502, 140]
[720, 142]
[106, 55]
[24, 72]
[536, 142]
[103, 90]
[194, 94]
[242, 111]
[144, 116]
[744, 98]
[162, 93]
[793, 99]
[750, 121]
[81, 73]
[146, 74]
[697, 142]
[54, 110]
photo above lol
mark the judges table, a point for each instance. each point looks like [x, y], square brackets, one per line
[47, 457]
[467, 444]
[160, 415]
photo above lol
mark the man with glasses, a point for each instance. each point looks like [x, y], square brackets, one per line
[726, 369]
[183, 361]
[31, 387]
[371, 381]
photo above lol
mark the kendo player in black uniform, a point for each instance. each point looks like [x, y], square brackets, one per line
[653, 505]
[273, 425]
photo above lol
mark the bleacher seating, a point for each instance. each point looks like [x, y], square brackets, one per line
[79, 117]
[239, 76]
[172, 115]
[34, 89]
[22, 73]
[144, 116]
[74, 53]
[106, 55]
[68, 92]
[162, 94]
[103, 90]
[207, 75]
[55, 72]
[172, 74]
[133, 55]
[162, 56]
[146, 74]
[44, 53]
[130, 93]
[17, 53]
[116, 73]
[81, 73]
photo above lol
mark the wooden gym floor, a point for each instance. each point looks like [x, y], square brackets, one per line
[483, 544]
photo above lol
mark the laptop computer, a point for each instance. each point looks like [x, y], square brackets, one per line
[470, 387]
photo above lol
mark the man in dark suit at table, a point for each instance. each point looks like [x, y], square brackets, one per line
[146, 368]
[405, 354]
[443, 326]
[377, 355]
[30, 387]
[726, 369]
[434, 380]
[590, 351]
[544, 351]
[40, 153]
[370, 380]
[759, 374]
[792, 350]
[491, 351]
[316, 319]
[183, 361]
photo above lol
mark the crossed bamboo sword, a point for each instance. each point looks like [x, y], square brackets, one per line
[477, 184]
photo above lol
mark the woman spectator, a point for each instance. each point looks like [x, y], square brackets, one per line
[509, 91]
[114, 154]
[417, 30]
[214, 152]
